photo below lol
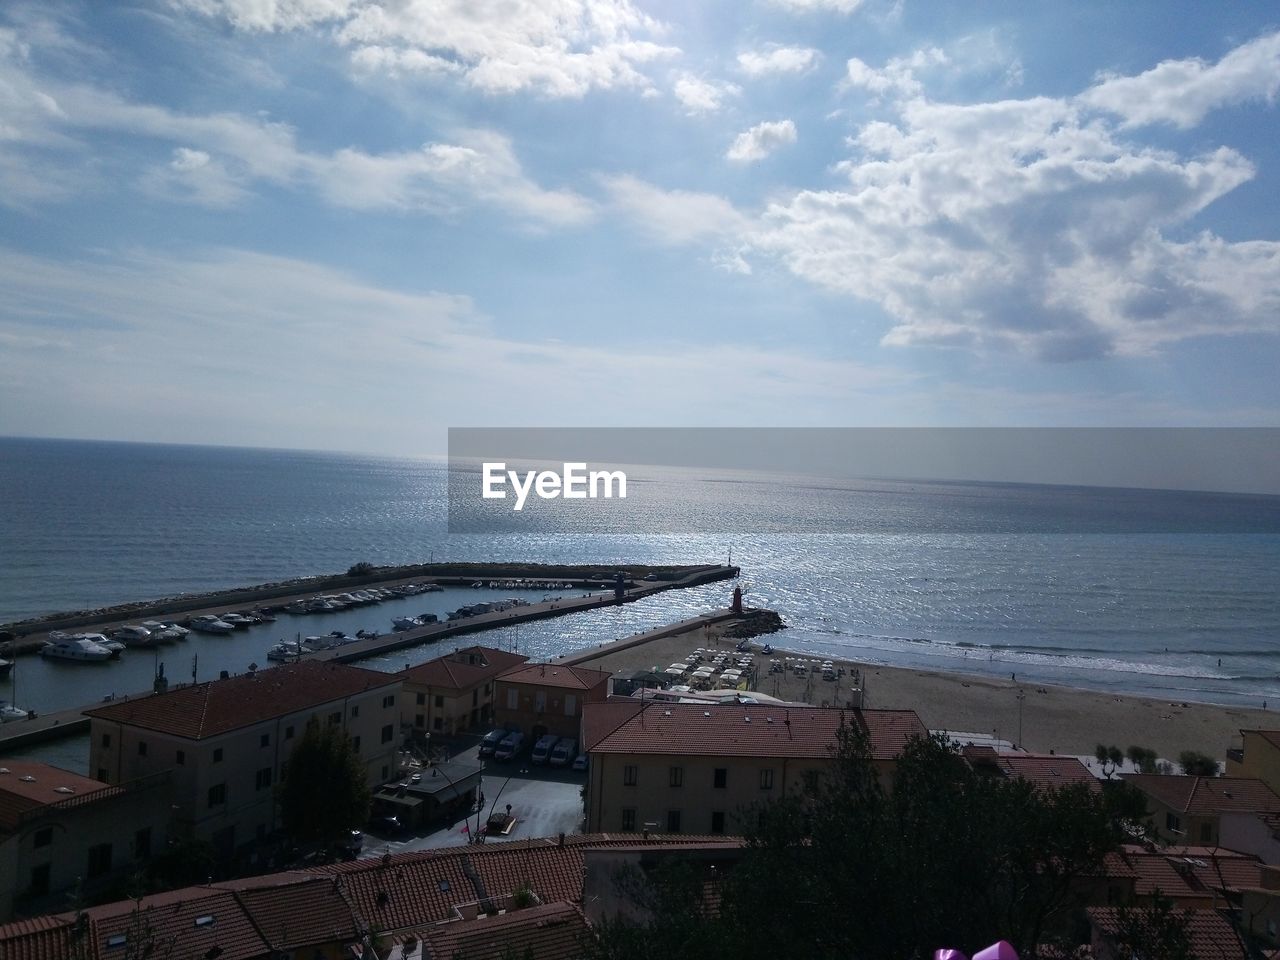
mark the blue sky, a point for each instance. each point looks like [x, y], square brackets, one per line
[350, 224]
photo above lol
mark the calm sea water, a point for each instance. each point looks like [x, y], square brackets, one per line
[1185, 615]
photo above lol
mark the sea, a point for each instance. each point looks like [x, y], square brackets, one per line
[1185, 611]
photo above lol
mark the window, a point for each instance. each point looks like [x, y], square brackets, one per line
[513, 699]
[439, 701]
[677, 777]
[437, 723]
[488, 689]
[142, 748]
[629, 775]
[1172, 822]
[355, 711]
[387, 733]
[43, 838]
[386, 772]
[766, 779]
[263, 779]
[1206, 833]
[629, 819]
[99, 860]
[540, 700]
[570, 705]
[106, 739]
[475, 698]
[355, 744]
[389, 700]
[419, 720]
[717, 821]
[217, 755]
[720, 778]
[264, 740]
[422, 699]
[673, 821]
[102, 774]
[217, 794]
[180, 758]
[335, 717]
[288, 733]
[39, 881]
[142, 843]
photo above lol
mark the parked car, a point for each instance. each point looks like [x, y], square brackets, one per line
[491, 740]
[511, 745]
[563, 752]
[542, 749]
[385, 826]
[580, 762]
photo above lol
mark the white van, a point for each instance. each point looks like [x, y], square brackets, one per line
[563, 752]
[542, 749]
[511, 745]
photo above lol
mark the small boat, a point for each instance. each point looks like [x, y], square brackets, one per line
[84, 647]
[477, 585]
[237, 620]
[115, 646]
[405, 623]
[286, 650]
[367, 634]
[209, 623]
[165, 631]
[9, 713]
[297, 606]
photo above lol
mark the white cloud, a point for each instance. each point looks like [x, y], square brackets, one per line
[192, 175]
[561, 49]
[1182, 92]
[775, 59]
[809, 6]
[702, 96]
[897, 78]
[761, 140]
[676, 216]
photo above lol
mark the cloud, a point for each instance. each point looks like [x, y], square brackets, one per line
[810, 6]
[1182, 92]
[1029, 225]
[194, 176]
[776, 59]
[761, 140]
[562, 49]
[702, 96]
[897, 78]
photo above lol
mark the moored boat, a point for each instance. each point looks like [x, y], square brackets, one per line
[84, 647]
[209, 623]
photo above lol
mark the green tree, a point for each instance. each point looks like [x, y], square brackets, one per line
[1144, 758]
[1157, 932]
[1197, 764]
[1109, 757]
[324, 793]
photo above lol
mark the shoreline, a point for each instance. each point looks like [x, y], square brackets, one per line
[1055, 717]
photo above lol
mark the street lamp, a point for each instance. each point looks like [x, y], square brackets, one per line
[1022, 696]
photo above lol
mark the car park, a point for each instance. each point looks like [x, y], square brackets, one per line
[580, 762]
[510, 746]
[563, 752]
[491, 740]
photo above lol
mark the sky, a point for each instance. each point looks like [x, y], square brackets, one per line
[352, 224]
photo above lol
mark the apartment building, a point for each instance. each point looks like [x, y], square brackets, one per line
[690, 768]
[1188, 809]
[539, 698]
[454, 693]
[227, 742]
[59, 830]
[1258, 758]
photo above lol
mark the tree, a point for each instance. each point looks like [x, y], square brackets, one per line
[1109, 757]
[1157, 932]
[1144, 758]
[1197, 764]
[324, 793]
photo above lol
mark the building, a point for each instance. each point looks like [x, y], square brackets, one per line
[1210, 935]
[454, 693]
[1258, 758]
[539, 698]
[227, 742]
[59, 830]
[1255, 833]
[676, 768]
[1187, 809]
[1043, 771]
[436, 792]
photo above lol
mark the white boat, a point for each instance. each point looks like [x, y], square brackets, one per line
[236, 620]
[286, 650]
[115, 646]
[297, 606]
[133, 635]
[405, 623]
[209, 623]
[8, 712]
[82, 646]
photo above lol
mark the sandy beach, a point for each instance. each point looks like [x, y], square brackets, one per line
[1054, 718]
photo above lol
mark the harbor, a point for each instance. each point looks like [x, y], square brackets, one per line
[212, 655]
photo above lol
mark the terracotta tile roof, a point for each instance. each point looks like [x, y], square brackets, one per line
[1182, 872]
[1211, 936]
[41, 938]
[300, 913]
[209, 709]
[1047, 772]
[1271, 736]
[551, 932]
[562, 676]
[454, 672]
[190, 922]
[27, 785]
[1206, 795]
[740, 730]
